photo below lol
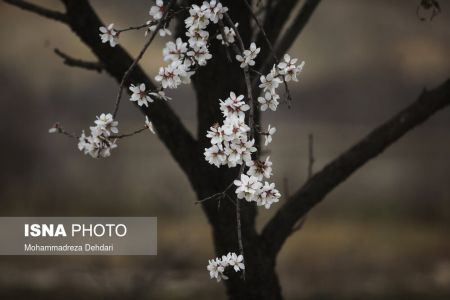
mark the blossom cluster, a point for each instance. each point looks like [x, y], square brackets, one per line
[184, 57]
[286, 70]
[141, 96]
[229, 142]
[101, 141]
[217, 266]
[231, 146]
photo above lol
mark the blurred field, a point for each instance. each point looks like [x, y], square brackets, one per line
[325, 260]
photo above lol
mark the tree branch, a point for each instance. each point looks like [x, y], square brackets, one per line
[275, 19]
[45, 12]
[285, 42]
[84, 22]
[297, 26]
[315, 189]
[74, 62]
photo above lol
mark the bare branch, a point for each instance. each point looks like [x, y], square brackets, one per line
[45, 12]
[276, 17]
[278, 229]
[311, 158]
[297, 26]
[74, 62]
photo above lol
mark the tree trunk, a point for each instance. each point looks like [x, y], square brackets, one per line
[211, 83]
[260, 280]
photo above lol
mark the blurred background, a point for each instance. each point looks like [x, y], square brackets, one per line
[383, 234]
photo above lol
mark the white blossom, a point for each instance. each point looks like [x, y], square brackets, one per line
[234, 128]
[268, 195]
[236, 261]
[289, 69]
[229, 35]
[247, 186]
[101, 147]
[163, 31]
[216, 269]
[156, 11]
[269, 101]
[260, 169]
[270, 82]
[197, 19]
[173, 75]
[175, 51]
[140, 95]
[218, 266]
[213, 10]
[105, 124]
[200, 54]
[216, 134]
[247, 148]
[215, 156]
[233, 106]
[197, 38]
[248, 56]
[108, 34]
[84, 143]
[268, 135]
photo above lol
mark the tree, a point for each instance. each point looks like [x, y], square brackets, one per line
[233, 224]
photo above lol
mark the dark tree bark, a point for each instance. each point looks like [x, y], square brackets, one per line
[214, 82]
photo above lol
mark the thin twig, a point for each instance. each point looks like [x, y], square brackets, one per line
[129, 134]
[255, 71]
[216, 195]
[59, 129]
[225, 40]
[248, 82]
[135, 27]
[74, 62]
[45, 12]
[138, 58]
[239, 233]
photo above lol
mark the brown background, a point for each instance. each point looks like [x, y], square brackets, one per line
[383, 234]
